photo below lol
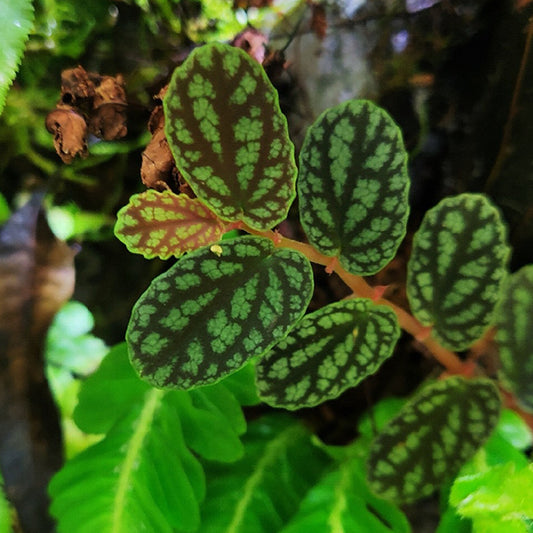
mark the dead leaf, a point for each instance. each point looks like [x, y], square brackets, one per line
[36, 278]
[70, 132]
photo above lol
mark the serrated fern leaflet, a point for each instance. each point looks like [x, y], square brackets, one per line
[432, 436]
[353, 185]
[229, 137]
[16, 20]
[215, 309]
[328, 351]
[164, 224]
[457, 265]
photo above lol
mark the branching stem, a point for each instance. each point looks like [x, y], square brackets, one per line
[361, 288]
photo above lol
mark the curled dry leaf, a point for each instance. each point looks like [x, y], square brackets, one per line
[108, 120]
[70, 132]
[158, 169]
[89, 103]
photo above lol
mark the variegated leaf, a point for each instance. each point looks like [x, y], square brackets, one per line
[164, 224]
[229, 137]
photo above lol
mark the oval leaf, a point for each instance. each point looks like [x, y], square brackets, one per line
[514, 322]
[16, 20]
[328, 351]
[164, 224]
[229, 137]
[215, 309]
[456, 269]
[353, 186]
[432, 436]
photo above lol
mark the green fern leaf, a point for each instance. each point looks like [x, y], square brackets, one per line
[215, 309]
[456, 268]
[432, 436]
[145, 473]
[353, 186]
[229, 137]
[16, 21]
[514, 323]
[259, 493]
[342, 503]
[328, 351]
[164, 224]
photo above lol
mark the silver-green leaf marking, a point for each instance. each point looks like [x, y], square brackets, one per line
[514, 323]
[353, 186]
[229, 137]
[215, 309]
[432, 436]
[457, 267]
[328, 351]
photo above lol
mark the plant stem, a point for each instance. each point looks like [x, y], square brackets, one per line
[361, 288]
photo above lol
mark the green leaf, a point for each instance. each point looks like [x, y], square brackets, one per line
[342, 503]
[145, 471]
[229, 137]
[263, 490]
[514, 323]
[164, 224]
[433, 435]
[215, 309]
[353, 186]
[328, 351]
[16, 21]
[5, 511]
[497, 499]
[456, 269]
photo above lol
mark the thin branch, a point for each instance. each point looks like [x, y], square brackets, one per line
[361, 288]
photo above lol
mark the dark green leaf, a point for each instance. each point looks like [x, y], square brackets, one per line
[456, 269]
[342, 503]
[259, 493]
[353, 186]
[164, 224]
[514, 322]
[16, 20]
[431, 437]
[328, 351]
[144, 471]
[215, 309]
[229, 137]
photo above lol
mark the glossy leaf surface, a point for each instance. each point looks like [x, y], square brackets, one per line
[164, 224]
[215, 309]
[229, 137]
[432, 436]
[514, 322]
[353, 186]
[259, 493]
[327, 351]
[145, 470]
[16, 20]
[456, 268]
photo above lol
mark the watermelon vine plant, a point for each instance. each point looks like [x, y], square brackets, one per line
[226, 325]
